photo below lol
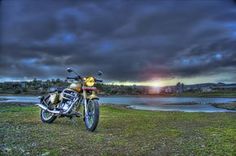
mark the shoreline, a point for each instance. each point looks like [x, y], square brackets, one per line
[228, 106]
[231, 106]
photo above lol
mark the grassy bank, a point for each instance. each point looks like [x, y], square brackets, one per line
[229, 106]
[120, 132]
[208, 94]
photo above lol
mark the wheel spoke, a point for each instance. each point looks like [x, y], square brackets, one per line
[47, 115]
[91, 118]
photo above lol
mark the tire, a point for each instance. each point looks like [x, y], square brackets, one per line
[51, 117]
[48, 119]
[91, 120]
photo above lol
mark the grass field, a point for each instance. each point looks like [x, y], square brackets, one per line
[121, 131]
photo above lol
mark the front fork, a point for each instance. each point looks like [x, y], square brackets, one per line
[85, 103]
[86, 97]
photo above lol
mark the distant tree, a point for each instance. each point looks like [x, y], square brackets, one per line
[179, 87]
[58, 80]
[24, 89]
[17, 91]
[182, 87]
[35, 79]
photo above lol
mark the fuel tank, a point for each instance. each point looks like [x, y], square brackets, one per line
[76, 87]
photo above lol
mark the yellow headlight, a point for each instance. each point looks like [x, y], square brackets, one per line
[89, 81]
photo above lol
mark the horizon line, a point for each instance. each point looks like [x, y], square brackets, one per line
[121, 83]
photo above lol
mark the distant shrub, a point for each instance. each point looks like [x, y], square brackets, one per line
[17, 91]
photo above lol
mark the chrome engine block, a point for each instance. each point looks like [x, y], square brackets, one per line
[67, 98]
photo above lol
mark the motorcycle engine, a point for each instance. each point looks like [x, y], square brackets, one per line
[68, 97]
[65, 105]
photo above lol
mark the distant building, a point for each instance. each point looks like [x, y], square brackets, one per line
[206, 89]
[23, 84]
[167, 90]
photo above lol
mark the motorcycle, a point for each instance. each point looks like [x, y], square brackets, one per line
[68, 102]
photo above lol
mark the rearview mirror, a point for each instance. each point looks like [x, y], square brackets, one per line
[69, 70]
[100, 73]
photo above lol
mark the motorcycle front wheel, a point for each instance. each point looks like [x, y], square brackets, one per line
[47, 117]
[92, 116]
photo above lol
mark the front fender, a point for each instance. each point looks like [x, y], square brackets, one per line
[92, 96]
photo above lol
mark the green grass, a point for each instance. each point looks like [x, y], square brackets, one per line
[121, 131]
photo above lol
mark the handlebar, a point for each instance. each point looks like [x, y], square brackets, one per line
[97, 80]
[77, 78]
[73, 78]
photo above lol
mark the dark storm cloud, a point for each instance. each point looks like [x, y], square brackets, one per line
[128, 40]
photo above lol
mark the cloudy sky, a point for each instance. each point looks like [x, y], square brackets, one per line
[142, 42]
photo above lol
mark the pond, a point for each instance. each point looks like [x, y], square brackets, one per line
[186, 104]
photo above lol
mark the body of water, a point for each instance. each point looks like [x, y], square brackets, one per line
[186, 104]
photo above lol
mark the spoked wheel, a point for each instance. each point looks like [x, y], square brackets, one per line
[46, 116]
[92, 116]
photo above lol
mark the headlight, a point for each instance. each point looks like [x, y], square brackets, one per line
[89, 81]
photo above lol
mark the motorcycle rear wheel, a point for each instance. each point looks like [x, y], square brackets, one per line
[92, 118]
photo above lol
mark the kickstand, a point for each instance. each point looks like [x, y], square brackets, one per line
[74, 120]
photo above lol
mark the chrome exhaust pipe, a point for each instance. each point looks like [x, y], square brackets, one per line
[45, 108]
[56, 111]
